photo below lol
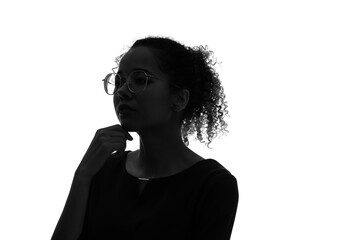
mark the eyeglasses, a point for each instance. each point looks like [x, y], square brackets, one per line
[136, 82]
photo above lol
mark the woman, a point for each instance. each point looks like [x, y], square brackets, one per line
[163, 91]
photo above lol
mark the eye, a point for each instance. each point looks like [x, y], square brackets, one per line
[139, 78]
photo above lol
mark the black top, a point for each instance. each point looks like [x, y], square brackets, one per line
[198, 203]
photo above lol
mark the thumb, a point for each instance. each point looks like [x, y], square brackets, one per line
[129, 137]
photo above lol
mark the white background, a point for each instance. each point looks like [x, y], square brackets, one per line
[290, 70]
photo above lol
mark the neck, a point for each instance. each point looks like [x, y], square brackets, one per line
[162, 151]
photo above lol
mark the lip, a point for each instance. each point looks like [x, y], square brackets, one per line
[124, 108]
[125, 111]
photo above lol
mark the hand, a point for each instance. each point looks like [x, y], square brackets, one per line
[106, 142]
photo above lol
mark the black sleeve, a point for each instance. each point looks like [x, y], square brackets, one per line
[107, 169]
[218, 209]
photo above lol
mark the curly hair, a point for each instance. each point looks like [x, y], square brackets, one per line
[192, 69]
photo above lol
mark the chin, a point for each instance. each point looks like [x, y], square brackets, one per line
[128, 126]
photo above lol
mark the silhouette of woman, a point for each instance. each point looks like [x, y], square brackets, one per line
[164, 91]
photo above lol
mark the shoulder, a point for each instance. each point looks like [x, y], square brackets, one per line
[213, 169]
[217, 203]
[215, 175]
[219, 188]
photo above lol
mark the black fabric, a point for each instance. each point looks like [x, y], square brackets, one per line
[198, 203]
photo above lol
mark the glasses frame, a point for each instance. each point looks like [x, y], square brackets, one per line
[107, 77]
[105, 80]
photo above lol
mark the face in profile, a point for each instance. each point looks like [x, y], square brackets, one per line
[151, 107]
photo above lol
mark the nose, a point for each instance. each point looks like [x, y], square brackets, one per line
[123, 92]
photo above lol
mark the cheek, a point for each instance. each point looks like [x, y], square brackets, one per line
[157, 108]
[115, 102]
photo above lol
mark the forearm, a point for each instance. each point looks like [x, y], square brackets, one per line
[72, 218]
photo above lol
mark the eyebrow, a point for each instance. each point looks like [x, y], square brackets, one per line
[136, 69]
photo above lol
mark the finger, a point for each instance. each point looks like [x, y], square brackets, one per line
[111, 147]
[117, 154]
[118, 127]
[115, 136]
[128, 136]
[117, 148]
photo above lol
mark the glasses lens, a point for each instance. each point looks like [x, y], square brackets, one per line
[137, 81]
[112, 83]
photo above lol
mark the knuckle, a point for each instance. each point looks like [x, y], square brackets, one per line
[104, 145]
[100, 130]
[102, 139]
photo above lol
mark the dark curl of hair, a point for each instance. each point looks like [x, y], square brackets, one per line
[192, 69]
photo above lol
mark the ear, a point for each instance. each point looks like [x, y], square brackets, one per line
[180, 100]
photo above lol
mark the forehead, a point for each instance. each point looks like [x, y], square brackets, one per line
[138, 58]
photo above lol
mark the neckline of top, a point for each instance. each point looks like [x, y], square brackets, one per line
[167, 177]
